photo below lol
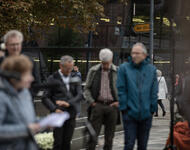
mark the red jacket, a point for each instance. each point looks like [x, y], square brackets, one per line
[181, 136]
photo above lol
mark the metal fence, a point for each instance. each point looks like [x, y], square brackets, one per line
[48, 58]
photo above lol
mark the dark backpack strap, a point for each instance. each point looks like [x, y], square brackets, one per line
[159, 80]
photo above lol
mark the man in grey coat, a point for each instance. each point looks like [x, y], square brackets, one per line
[101, 93]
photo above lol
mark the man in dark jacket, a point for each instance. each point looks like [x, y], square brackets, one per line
[101, 93]
[13, 43]
[137, 90]
[65, 97]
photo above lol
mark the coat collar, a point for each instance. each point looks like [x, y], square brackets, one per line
[57, 76]
[61, 74]
[144, 62]
[98, 67]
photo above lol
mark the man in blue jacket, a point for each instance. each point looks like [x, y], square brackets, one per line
[137, 90]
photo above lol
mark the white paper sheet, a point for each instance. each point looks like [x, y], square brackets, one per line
[54, 120]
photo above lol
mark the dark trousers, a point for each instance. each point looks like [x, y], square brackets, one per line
[136, 130]
[107, 115]
[63, 136]
[161, 105]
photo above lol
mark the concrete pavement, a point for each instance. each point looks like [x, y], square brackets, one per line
[158, 135]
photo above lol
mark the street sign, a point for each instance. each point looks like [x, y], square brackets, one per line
[142, 28]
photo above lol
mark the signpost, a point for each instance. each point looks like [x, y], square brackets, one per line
[142, 28]
[151, 30]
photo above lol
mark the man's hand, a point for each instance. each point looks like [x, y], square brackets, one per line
[58, 111]
[115, 104]
[62, 103]
[93, 104]
[2, 54]
[34, 127]
[75, 68]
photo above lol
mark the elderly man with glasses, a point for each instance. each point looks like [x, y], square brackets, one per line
[13, 40]
[137, 90]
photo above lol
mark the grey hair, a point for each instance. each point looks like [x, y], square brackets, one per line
[13, 33]
[66, 58]
[159, 73]
[105, 55]
[142, 46]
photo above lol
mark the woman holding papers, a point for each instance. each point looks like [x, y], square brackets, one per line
[17, 114]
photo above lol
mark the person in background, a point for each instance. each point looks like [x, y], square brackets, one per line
[101, 93]
[77, 72]
[13, 40]
[17, 116]
[162, 92]
[65, 97]
[137, 90]
[2, 50]
[176, 79]
[179, 84]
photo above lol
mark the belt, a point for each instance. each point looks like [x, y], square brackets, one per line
[105, 102]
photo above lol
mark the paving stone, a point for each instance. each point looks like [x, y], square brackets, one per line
[158, 135]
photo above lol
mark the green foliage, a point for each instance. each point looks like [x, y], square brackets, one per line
[79, 15]
[14, 15]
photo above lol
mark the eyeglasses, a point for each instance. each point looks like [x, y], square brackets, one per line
[14, 44]
[136, 53]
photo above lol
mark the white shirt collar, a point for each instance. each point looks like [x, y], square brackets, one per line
[63, 75]
[65, 79]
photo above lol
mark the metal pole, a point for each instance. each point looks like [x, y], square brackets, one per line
[171, 146]
[151, 30]
[51, 64]
[172, 100]
[131, 22]
[161, 23]
[106, 45]
[172, 45]
[90, 39]
[88, 52]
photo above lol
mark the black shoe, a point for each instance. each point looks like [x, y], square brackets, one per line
[164, 113]
[156, 115]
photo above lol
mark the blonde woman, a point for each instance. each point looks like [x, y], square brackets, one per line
[162, 92]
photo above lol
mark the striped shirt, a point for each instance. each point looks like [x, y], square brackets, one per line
[105, 90]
